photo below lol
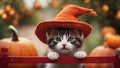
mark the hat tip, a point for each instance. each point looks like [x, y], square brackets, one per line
[92, 12]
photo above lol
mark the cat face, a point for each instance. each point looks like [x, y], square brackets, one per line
[64, 40]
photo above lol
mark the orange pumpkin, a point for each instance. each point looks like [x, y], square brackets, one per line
[55, 3]
[18, 46]
[99, 52]
[37, 6]
[109, 29]
[112, 40]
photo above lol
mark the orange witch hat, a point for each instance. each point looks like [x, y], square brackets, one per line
[67, 18]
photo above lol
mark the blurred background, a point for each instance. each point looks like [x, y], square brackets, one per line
[26, 14]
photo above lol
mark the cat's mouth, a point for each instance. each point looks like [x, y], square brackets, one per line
[65, 48]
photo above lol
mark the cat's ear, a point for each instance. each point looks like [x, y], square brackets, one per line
[50, 31]
[81, 34]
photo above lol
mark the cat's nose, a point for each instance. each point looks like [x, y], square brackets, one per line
[64, 45]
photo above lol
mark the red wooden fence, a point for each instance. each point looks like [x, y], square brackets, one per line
[5, 59]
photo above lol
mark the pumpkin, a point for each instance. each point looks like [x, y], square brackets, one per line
[99, 52]
[55, 3]
[37, 6]
[112, 40]
[109, 29]
[18, 46]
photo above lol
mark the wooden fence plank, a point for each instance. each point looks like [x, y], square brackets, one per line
[5, 59]
[63, 60]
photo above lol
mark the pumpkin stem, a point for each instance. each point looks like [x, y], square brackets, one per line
[14, 31]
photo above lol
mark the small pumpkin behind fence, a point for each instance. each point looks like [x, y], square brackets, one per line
[101, 51]
[111, 38]
[18, 46]
[113, 41]
[108, 29]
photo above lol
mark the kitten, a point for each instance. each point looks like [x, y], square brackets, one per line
[64, 42]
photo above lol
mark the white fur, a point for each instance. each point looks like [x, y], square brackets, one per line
[53, 55]
[80, 54]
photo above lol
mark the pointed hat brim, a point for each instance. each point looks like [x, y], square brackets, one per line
[44, 26]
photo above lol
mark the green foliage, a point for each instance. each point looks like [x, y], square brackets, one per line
[26, 16]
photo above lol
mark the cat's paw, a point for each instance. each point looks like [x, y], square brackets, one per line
[53, 55]
[80, 54]
[117, 52]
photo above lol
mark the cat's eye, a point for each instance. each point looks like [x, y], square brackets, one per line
[70, 39]
[57, 39]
